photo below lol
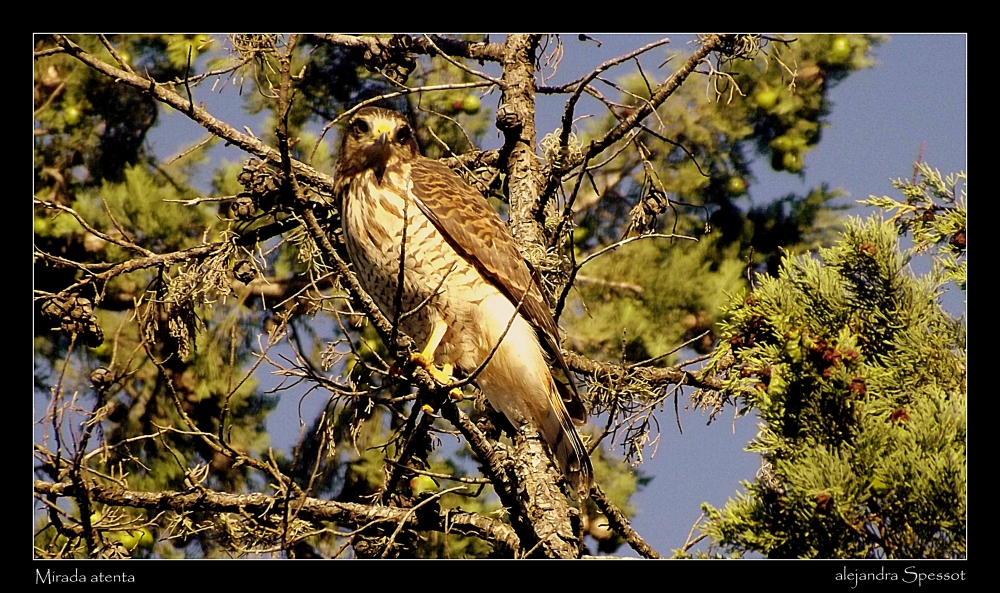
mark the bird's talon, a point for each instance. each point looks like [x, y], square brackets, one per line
[421, 359]
[441, 375]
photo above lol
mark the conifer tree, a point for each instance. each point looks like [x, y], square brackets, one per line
[857, 375]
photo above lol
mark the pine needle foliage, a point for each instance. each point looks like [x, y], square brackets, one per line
[858, 377]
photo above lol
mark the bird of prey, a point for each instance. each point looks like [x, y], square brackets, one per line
[467, 293]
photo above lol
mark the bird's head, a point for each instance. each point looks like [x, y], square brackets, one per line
[375, 139]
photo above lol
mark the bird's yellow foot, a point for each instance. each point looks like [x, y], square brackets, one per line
[441, 375]
[425, 359]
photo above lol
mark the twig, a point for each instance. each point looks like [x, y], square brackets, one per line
[558, 167]
[461, 66]
[196, 201]
[423, 472]
[710, 44]
[654, 376]
[620, 524]
[411, 511]
[52, 97]
[183, 154]
[126, 244]
[115, 54]
[614, 246]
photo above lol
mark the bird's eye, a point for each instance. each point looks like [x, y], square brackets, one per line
[403, 135]
[359, 126]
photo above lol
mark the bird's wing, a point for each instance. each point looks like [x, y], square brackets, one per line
[473, 229]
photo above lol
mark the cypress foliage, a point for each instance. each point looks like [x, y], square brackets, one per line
[857, 374]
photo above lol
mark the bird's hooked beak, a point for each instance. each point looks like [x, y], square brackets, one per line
[380, 151]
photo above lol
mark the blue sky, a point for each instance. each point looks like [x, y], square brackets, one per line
[916, 96]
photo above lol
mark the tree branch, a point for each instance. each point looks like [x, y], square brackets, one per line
[474, 50]
[516, 120]
[310, 509]
[567, 120]
[710, 44]
[162, 93]
[620, 524]
[654, 376]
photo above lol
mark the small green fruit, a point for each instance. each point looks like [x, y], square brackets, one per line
[72, 115]
[840, 51]
[782, 143]
[792, 161]
[766, 98]
[136, 537]
[736, 186]
[130, 539]
[421, 484]
[470, 104]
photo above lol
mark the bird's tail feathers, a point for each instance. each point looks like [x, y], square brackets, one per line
[562, 437]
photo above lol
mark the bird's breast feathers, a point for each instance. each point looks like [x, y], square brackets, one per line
[437, 282]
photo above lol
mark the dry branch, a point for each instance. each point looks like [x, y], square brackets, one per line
[310, 509]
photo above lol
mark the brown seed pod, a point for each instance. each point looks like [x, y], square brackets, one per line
[898, 416]
[958, 240]
[243, 207]
[102, 378]
[244, 271]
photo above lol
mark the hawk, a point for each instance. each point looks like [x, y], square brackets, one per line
[467, 293]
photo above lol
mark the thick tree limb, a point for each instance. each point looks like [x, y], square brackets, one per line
[311, 509]
[527, 485]
[474, 50]
[553, 520]
[516, 119]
